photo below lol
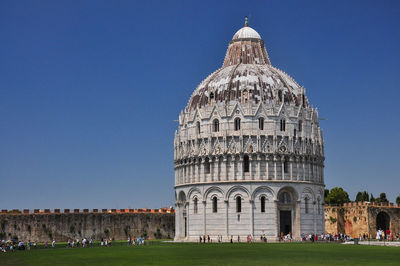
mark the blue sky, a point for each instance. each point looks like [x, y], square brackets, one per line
[89, 91]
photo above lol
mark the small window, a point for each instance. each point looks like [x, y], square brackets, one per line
[262, 204]
[198, 127]
[306, 205]
[303, 100]
[215, 204]
[237, 124]
[283, 125]
[207, 166]
[195, 208]
[286, 167]
[238, 204]
[246, 164]
[216, 125]
[280, 96]
[300, 125]
[211, 98]
[294, 133]
[245, 96]
[261, 123]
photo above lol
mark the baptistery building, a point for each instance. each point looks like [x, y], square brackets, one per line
[249, 152]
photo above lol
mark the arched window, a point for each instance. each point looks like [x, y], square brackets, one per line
[198, 127]
[207, 166]
[211, 98]
[237, 124]
[262, 204]
[283, 125]
[306, 205]
[285, 198]
[245, 96]
[286, 167]
[195, 208]
[215, 204]
[246, 164]
[261, 123]
[216, 125]
[300, 125]
[280, 96]
[239, 204]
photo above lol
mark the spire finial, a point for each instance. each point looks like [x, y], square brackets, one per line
[246, 21]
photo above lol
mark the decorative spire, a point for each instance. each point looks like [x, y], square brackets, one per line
[246, 21]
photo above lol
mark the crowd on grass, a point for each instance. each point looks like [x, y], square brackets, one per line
[15, 244]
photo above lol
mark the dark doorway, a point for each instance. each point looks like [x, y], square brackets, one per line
[285, 222]
[383, 221]
[185, 227]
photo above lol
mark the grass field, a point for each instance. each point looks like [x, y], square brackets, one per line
[157, 253]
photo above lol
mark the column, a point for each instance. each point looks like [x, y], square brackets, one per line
[259, 167]
[283, 167]
[297, 168]
[275, 159]
[226, 219]
[251, 167]
[225, 162]
[251, 217]
[267, 157]
[193, 171]
[240, 166]
[204, 218]
[291, 168]
[199, 170]
[277, 233]
[187, 218]
[304, 169]
[202, 172]
[211, 169]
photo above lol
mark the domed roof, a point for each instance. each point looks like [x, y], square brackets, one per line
[247, 83]
[247, 76]
[246, 32]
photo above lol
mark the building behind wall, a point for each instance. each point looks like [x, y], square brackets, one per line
[249, 152]
[359, 218]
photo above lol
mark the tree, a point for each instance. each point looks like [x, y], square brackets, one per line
[382, 198]
[398, 199]
[337, 195]
[359, 196]
[372, 199]
[326, 193]
[365, 196]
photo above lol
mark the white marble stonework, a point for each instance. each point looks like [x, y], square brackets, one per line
[249, 152]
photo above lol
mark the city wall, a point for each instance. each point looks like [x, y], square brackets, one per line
[358, 218]
[42, 225]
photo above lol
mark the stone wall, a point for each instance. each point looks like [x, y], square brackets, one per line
[357, 218]
[62, 226]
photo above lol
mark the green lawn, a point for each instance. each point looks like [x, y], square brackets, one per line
[208, 254]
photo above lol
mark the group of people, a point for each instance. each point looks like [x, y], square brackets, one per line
[84, 242]
[14, 244]
[386, 235]
[140, 241]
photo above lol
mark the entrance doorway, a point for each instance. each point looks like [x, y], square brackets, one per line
[185, 227]
[383, 221]
[285, 222]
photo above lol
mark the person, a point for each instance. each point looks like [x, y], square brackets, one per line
[201, 239]
[29, 244]
[129, 241]
[106, 242]
[35, 244]
[101, 242]
[77, 242]
[208, 238]
[231, 239]
[53, 244]
[45, 244]
[238, 239]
